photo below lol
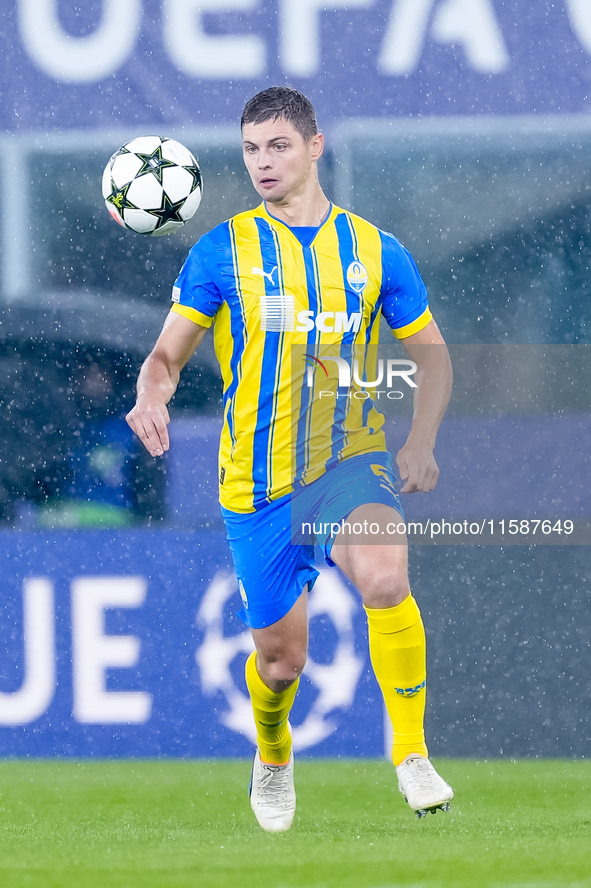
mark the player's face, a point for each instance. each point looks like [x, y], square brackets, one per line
[281, 164]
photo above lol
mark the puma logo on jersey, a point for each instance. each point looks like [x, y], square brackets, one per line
[267, 274]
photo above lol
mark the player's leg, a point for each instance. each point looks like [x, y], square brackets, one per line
[273, 576]
[272, 676]
[397, 646]
[395, 628]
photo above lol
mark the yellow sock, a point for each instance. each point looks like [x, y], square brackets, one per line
[398, 655]
[270, 715]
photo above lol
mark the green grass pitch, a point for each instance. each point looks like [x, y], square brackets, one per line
[188, 824]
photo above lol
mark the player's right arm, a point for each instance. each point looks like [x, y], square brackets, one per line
[158, 380]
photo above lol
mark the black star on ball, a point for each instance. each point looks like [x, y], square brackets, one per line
[196, 174]
[153, 163]
[168, 212]
[118, 197]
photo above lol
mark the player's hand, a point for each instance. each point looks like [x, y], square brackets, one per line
[149, 420]
[417, 468]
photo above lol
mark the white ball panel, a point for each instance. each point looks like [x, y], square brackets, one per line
[191, 205]
[114, 213]
[140, 221]
[173, 150]
[106, 183]
[177, 182]
[124, 168]
[144, 144]
[146, 193]
[168, 228]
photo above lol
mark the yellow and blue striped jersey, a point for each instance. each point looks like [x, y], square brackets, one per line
[279, 302]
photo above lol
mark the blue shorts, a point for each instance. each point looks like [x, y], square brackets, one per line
[274, 562]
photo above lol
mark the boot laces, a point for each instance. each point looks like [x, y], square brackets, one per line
[275, 782]
[421, 775]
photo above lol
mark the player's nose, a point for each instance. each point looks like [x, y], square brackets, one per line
[264, 160]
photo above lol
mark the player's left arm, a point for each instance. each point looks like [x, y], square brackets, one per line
[416, 462]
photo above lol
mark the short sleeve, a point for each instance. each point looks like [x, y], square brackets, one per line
[404, 295]
[195, 293]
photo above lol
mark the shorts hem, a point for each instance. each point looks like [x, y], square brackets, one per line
[261, 620]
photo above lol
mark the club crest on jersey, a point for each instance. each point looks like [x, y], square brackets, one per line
[357, 276]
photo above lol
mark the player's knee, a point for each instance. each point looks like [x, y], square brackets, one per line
[383, 588]
[283, 668]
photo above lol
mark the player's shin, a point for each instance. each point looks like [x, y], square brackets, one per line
[271, 711]
[398, 655]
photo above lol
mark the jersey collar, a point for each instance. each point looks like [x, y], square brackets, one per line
[332, 211]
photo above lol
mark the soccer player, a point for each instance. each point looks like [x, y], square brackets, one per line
[299, 272]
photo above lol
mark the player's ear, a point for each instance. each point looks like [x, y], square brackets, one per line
[317, 146]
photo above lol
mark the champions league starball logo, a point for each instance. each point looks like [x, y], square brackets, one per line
[335, 682]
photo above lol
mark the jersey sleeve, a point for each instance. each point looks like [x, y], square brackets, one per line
[195, 293]
[404, 295]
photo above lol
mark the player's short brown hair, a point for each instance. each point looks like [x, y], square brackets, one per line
[282, 102]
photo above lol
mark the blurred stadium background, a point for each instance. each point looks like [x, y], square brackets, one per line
[464, 127]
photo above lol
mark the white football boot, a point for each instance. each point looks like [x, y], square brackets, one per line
[422, 787]
[272, 794]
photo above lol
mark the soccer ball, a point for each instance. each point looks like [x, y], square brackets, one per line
[152, 185]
